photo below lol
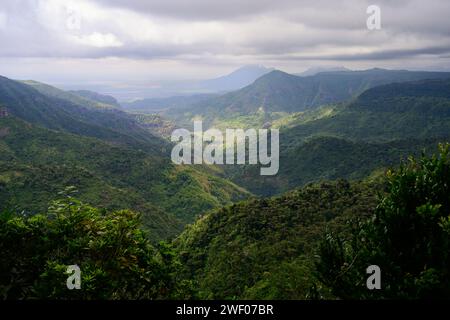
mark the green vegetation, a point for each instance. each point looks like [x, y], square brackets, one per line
[412, 110]
[156, 124]
[101, 99]
[278, 91]
[408, 238]
[82, 98]
[382, 126]
[317, 242]
[48, 143]
[36, 163]
[264, 248]
[55, 109]
[313, 240]
[151, 105]
[115, 258]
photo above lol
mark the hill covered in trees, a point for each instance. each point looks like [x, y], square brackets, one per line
[317, 242]
[48, 143]
[264, 248]
[312, 243]
[278, 93]
[377, 129]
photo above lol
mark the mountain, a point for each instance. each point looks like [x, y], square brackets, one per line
[56, 109]
[409, 110]
[97, 97]
[50, 139]
[315, 70]
[264, 248]
[233, 81]
[351, 140]
[72, 96]
[236, 79]
[279, 93]
[49, 143]
[155, 89]
[317, 242]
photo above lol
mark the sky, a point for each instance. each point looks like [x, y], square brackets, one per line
[128, 43]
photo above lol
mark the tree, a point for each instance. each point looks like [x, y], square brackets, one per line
[115, 258]
[408, 238]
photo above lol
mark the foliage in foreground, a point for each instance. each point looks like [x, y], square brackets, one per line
[115, 258]
[408, 238]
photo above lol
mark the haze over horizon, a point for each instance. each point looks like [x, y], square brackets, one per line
[156, 46]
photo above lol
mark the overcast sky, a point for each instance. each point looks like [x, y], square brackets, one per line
[118, 42]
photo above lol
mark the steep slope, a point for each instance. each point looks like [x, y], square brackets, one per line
[210, 88]
[55, 109]
[36, 164]
[419, 109]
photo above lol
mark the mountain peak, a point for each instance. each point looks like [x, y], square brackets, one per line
[274, 75]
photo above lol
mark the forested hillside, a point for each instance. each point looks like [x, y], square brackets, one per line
[49, 143]
[265, 248]
[376, 130]
[312, 243]
[317, 242]
[66, 159]
[277, 93]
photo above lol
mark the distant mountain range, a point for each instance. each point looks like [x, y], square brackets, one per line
[204, 90]
[278, 92]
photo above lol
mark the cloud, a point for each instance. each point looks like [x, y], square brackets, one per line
[441, 51]
[198, 10]
[3, 18]
[200, 34]
[99, 40]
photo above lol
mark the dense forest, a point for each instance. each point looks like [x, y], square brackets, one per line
[363, 180]
[312, 243]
